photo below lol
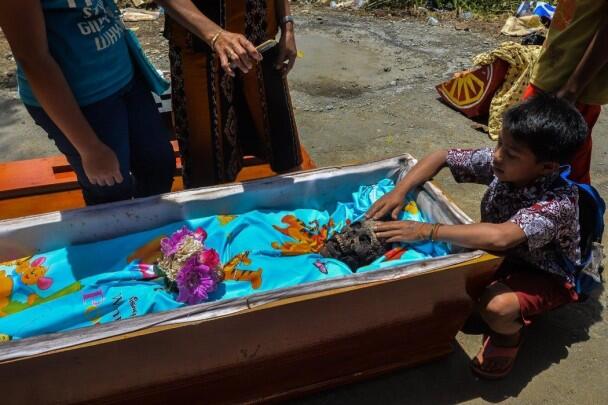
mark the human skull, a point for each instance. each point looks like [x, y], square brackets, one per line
[356, 245]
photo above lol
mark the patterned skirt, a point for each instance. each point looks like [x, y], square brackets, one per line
[220, 119]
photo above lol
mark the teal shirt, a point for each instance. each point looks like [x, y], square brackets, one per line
[88, 42]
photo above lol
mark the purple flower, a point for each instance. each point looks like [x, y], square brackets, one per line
[169, 246]
[195, 281]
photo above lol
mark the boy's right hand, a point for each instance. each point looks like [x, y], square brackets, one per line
[101, 166]
[392, 202]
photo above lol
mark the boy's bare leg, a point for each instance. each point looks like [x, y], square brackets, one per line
[499, 308]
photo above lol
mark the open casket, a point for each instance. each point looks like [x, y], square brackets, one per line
[265, 346]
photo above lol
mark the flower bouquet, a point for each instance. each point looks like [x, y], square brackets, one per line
[191, 268]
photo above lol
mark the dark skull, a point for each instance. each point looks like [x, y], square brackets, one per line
[356, 245]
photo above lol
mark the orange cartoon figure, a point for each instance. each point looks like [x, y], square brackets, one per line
[232, 273]
[308, 238]
[149, 253]
[22, 281]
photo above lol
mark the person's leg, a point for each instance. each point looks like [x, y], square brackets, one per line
[500, 310]
[283, 131]
[152, 159]
[197, 112]
[108, 118]
[581, 162]
[266, 113]
[506, 306]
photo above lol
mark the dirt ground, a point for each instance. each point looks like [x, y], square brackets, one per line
[364, 90]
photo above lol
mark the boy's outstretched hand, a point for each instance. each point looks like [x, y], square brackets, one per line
[392, 202]
[403, 231]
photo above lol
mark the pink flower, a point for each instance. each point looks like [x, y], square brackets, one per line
[200, 234]
[195, 281]
[210, 258]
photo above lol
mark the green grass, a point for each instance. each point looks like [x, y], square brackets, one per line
[477, 6]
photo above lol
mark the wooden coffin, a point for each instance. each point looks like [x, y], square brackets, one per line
[265, 346]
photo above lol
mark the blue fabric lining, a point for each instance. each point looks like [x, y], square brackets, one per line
[100, 282]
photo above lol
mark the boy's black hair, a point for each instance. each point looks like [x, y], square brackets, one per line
[551, 127]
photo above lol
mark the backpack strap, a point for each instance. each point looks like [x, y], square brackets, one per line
[591, 218]
[589, 191]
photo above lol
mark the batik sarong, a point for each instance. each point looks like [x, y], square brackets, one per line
[219, 119]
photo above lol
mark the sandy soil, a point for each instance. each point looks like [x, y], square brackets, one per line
[364, 90]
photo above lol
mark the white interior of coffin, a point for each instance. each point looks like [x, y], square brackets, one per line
[314, 189]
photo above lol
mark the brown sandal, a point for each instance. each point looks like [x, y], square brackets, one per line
[490, 351]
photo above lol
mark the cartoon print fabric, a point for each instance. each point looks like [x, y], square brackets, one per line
[110, 280]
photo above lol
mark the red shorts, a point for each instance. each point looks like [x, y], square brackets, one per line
[581, 162]
[537, 291]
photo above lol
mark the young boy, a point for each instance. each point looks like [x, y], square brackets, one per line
[529, 212]
[574, 66]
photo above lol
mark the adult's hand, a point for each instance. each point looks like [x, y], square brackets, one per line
[234, 50]
[287, 51]
[101, 166]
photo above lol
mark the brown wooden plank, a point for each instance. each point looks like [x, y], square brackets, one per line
[22, 193]
[44, 175]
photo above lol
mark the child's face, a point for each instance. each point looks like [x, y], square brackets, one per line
[515, 163]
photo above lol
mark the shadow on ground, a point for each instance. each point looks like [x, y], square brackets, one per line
[9, 110]
[449, 381]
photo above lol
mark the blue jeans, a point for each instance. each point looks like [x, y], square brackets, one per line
[130, 124]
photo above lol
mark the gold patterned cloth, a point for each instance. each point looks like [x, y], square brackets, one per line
[521, 60]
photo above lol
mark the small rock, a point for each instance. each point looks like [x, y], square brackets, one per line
[461, 27]
[329, 107]
[394, 83]
[387, 69]
[432, 21]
